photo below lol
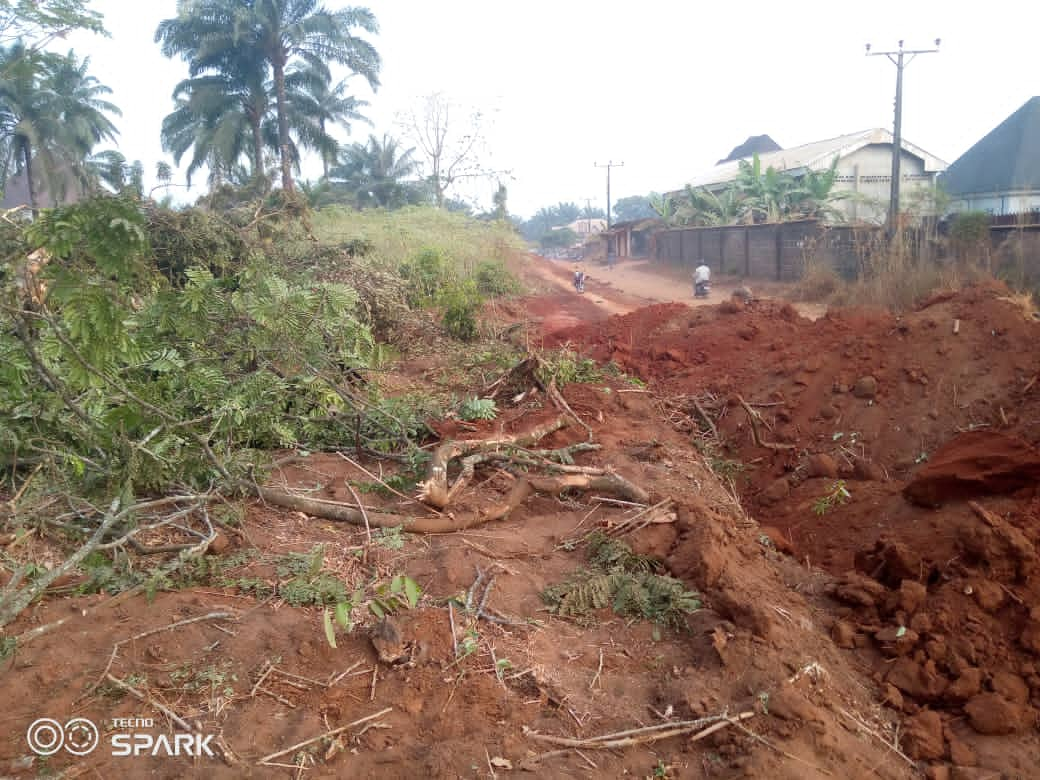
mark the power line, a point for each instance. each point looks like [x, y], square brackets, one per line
[610, 164]
[896, 58]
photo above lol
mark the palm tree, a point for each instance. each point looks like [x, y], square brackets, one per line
[221, 118]
[261, 36]
[221, 109]
[500, 200]
[51, 117]
[111, 167]
[376, 172]
[81, 106]
[284, 31]
[314, 104]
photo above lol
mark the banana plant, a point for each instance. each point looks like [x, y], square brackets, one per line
[664, 205]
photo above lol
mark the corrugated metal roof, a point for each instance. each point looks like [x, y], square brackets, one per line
[1005, 160]
[816, 156]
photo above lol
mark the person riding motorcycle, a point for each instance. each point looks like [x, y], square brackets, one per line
[701, 280]
[579, 280]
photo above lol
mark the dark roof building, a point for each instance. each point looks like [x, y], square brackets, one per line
[755, 144]
[1001, 173]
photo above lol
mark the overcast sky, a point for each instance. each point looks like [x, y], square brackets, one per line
[666, 87]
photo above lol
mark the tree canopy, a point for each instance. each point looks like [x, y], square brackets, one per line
[249, 58]
[52, 115]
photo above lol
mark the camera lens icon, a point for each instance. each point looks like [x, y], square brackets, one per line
[81, 736]
[46, 736]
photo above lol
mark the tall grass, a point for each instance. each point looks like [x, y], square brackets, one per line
[399, 236]
[891, 276]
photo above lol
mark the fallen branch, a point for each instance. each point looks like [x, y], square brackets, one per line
[878, 737]
[704, 416]
[13, 599]
[383, 484]
[326, 735]
[752, 418]
[645, 735]
[650, 513]
[434, 490]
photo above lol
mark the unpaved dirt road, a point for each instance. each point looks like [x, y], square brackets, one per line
[632, 284]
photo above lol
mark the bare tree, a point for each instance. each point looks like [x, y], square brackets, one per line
[451, 137]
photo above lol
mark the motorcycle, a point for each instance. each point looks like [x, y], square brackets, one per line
[701, 289]
[579, 284]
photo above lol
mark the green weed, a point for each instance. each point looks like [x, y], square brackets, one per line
[838, 495]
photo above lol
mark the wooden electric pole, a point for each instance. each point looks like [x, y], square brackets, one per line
[896, 58]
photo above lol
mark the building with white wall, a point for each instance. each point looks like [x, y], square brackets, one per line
[864, 168]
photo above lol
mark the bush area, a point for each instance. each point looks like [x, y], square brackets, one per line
[146, 351]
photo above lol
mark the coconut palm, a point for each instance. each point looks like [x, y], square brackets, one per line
[376, 173]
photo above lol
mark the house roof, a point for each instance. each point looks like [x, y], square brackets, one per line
[816, 156]
[636, 224]
[755, 143]
[1006, 159]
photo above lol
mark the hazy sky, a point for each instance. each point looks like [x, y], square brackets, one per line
[666, 87]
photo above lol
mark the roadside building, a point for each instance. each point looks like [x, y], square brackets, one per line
[1001, 173]
[864, 169]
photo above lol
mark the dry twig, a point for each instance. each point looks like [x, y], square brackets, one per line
[645, 735]
[326, 735]
[150, 632]
[753, 418]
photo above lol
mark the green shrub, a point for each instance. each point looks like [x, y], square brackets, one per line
[494, 279]
[426, 274]
[568, 367]
[478, 409]
[461, 302]
[193, 237]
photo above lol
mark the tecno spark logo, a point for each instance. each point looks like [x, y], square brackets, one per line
[80, 736]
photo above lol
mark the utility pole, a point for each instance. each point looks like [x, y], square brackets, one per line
[896, 58]
[588, 214]
[610, 164]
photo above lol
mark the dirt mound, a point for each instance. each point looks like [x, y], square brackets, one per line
[263, 677]
[972, 464]
[828, 428]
